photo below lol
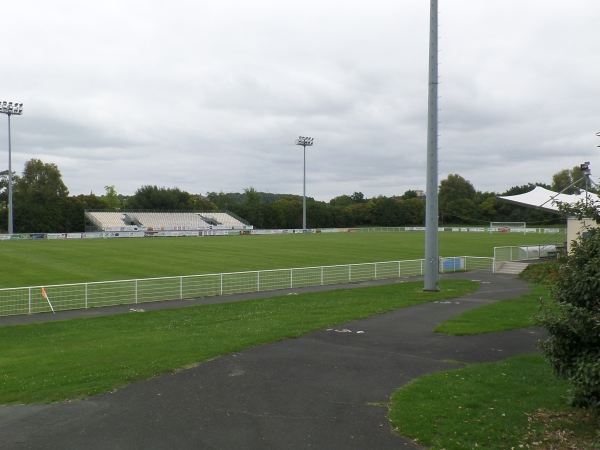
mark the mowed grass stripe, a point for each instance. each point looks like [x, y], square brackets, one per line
[31, 263]
[77, 358]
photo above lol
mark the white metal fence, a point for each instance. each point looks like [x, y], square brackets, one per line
[525, 253]
[31, 299]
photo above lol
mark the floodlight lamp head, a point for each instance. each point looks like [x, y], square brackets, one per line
[585, 168]
[9, 108]
[304, 141]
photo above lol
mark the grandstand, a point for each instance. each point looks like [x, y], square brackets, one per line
[164, 221]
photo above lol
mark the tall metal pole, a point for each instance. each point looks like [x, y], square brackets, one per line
[9, 109]
[304, 192]
[10, 193]
[431, 200]
[304, 142]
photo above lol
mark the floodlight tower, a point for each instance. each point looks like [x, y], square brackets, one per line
[304, 142]
[431, 200]
[9, 109]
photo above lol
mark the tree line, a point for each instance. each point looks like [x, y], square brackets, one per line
[41, 203]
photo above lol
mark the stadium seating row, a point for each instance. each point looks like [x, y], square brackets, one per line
[165, 221]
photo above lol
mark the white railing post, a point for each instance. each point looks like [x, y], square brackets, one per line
[29, 300]
[291, 278]
[86, 296]
[181, 288]
[136, 291]
[321, 275]
[221, 284]
[258, 281]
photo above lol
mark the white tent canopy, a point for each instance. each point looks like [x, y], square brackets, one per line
[546, 200]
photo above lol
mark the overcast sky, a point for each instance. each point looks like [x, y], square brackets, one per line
[210, 96]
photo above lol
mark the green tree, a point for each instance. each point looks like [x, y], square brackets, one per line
[358, 214]
[572, 320]
[561, 182]
[111, 198]
[487, 209]
[199, 203]
[456, 199]
[388, 212]
[455, 187]
[358, 197]
[40, 183]
[4, 198]
[251, 208]
[165, 199]
[223, 201]
[414, 209]
[409, 194]
[341, 200]
[570, 181]
[39, 199]
[288, 213]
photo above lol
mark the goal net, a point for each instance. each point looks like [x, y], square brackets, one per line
[507, 227]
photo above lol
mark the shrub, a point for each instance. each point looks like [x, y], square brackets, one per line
[572, 321]
[542, 273]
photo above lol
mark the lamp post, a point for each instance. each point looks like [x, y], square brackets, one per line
[304, 142]
[9, 109]
[431, 200]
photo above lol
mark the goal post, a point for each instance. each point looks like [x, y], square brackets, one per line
[507, 227]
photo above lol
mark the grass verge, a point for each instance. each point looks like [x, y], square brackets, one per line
[55, 361]
[516, 403]
[510, 314]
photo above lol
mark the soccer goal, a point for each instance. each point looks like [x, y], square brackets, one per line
[507, 227]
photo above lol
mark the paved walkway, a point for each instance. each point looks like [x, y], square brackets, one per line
[318, 391]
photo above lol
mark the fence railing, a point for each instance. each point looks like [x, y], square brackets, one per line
[62, 297]
[525, 253]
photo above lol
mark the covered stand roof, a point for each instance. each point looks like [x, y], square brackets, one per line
[546, 200]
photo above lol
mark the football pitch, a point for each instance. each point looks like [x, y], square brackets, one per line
[46, 262]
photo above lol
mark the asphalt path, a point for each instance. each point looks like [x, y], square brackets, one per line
[324, 390]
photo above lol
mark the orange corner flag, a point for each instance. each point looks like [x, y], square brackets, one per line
[47, 299]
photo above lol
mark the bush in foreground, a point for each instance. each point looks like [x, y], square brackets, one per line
[572, 318]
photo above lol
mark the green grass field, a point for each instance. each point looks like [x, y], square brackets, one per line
[499, 405]
[30, 263]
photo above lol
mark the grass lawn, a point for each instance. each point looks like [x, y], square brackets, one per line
[504, 315]
[47, 262]
[55, 361]
[502, 405]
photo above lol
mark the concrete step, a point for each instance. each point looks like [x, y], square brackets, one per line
[511, 267]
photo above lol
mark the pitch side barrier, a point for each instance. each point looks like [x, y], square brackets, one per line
[201, 233]
[63, 297]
